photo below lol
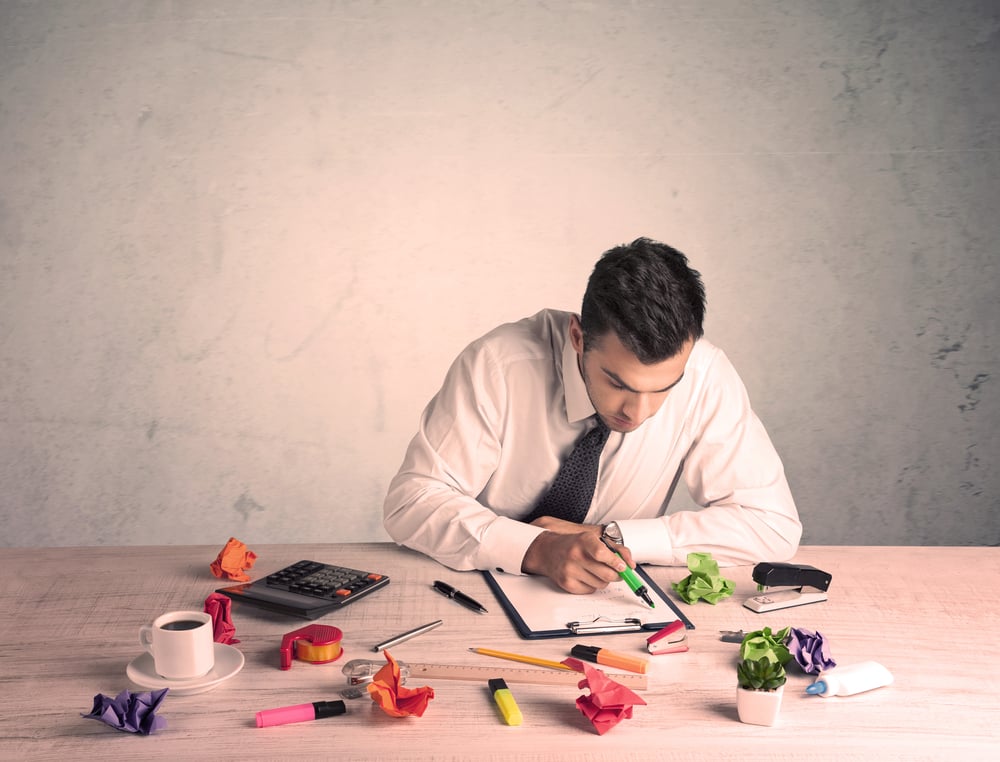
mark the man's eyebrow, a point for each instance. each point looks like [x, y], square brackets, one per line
[614, 377]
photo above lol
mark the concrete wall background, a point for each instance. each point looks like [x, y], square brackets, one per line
[241, 242]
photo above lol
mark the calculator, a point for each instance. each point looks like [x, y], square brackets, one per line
[307, 589]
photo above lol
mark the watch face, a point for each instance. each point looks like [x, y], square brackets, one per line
[613, 533]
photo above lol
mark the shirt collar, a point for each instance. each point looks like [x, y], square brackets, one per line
[578, 404]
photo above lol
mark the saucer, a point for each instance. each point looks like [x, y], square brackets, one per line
[228, 661]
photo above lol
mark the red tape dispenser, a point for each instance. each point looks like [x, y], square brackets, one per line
[314, 643]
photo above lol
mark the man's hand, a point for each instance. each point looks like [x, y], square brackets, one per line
[573, 556]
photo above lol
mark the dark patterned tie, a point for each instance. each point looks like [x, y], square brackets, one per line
[571, 493]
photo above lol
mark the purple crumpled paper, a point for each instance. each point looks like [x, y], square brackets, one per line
[130, 712]
[810, 651]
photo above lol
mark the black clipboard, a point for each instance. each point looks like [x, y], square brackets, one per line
[539, 609]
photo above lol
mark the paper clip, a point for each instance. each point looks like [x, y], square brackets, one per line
[603, 625]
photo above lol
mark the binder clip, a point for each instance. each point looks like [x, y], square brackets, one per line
[806, 584]
[314, 643]
[672, 639]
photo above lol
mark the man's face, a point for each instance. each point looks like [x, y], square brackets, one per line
[623, 390]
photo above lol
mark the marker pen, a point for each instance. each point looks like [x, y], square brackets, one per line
[317, 710]
[610, 658]
[635, 584]
[505, 701]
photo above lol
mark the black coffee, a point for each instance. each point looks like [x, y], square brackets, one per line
[182, 624]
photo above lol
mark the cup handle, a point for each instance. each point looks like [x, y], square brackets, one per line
[146, 637]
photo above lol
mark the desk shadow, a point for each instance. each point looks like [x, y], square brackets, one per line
[724, 710]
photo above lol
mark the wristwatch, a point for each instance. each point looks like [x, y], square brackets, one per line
[612, 533]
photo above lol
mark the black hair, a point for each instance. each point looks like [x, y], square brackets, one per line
[648, 295]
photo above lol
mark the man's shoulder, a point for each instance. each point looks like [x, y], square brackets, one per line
[543, 333]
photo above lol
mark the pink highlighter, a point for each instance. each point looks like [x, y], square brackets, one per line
[317, 710]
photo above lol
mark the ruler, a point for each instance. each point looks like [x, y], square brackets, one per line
[514, 675]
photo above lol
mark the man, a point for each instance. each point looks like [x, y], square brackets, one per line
[516, 401]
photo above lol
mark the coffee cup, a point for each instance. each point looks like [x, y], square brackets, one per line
[181, 643]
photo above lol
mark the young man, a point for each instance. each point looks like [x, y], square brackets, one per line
[516, 402]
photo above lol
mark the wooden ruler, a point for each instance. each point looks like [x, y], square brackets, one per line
[513, 675]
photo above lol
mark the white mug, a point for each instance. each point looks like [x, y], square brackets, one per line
[181, 643]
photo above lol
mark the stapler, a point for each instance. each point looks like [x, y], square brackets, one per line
[802, 584]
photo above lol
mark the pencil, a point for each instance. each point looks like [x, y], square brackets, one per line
[520, 658]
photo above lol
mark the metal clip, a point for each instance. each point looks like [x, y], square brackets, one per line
[603, 624]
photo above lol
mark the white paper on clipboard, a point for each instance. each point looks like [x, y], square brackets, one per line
[540, 609]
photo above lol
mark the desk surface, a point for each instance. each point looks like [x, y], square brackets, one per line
[71, 617]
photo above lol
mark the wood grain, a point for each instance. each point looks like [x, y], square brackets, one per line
[71, 617]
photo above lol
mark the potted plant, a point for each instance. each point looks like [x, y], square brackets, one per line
[760, 676]
[761, 683]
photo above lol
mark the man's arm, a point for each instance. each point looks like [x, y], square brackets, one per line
[733, 470]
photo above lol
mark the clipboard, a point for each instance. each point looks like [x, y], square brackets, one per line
[539, 609]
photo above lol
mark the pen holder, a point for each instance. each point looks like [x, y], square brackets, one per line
[314, 643]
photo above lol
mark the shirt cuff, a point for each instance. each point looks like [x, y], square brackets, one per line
[504, 545]
[649, 541]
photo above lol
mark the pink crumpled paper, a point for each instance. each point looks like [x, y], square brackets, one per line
[608, 703]
[220, 607]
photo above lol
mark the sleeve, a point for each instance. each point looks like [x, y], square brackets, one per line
[431, 503]
[734, 472]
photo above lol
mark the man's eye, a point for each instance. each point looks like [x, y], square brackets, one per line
[619, 387]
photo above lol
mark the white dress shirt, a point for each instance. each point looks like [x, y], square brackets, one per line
[511, 408]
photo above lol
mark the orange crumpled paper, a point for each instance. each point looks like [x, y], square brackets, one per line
[387, 690]
[232, 560]
[608, 703]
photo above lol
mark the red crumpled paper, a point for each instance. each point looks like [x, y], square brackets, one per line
[220, 608]
[608, 703]
[387, 690]
[232, 560]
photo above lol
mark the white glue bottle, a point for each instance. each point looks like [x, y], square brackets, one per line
[854, 678]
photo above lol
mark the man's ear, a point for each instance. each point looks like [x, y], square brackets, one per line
[576, 334]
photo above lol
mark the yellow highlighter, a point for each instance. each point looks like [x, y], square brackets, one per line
[505, 700]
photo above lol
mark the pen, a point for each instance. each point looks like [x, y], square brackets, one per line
[318, 710]
[459, 597]
[631, 578]
[610, 658]
[505, 701]
[522, 659]
[407, 635]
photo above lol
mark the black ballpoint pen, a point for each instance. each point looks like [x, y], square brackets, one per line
[459, 597]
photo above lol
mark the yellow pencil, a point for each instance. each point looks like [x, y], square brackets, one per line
[518, 657]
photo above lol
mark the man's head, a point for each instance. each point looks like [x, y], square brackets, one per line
[642, 312]
[645, 293]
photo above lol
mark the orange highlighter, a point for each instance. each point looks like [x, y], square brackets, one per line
[610, 658]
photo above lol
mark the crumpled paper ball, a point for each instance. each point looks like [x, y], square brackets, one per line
[810, 651]
[130, 712]
[608, 703]
[395, 699]
[232, 560]
[704, 582]
[220, 608]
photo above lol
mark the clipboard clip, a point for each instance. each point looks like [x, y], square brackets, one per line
[603, 625]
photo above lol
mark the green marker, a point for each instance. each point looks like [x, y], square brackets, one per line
[635, 584]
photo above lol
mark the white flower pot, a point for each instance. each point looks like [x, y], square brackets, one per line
[758, 707]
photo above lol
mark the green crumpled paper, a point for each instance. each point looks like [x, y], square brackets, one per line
[704, 581]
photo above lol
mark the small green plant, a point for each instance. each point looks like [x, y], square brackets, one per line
[760, 674]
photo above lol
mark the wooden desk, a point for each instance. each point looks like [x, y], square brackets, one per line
[71, 616]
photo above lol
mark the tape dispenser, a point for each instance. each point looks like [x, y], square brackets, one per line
[314, 643]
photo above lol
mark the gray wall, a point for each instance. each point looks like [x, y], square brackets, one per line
[240, 242]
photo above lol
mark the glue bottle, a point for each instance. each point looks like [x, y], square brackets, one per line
[854, 678]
